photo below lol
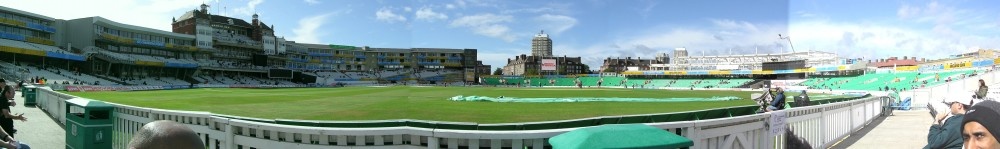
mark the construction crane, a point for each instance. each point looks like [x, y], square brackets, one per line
[789, 39]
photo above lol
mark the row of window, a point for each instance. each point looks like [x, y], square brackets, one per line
[136, 50]
[335, 67]
[268, 41]
[227, 52]
[227, 29]
[140, 36]
[205, 32]
[204, 44]
[24, 32]
[9, 15]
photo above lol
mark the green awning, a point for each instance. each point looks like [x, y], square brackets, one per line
[618, 136]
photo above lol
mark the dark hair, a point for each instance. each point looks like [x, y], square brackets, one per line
[982, 83]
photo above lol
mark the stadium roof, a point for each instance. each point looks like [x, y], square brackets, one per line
[217, 18]
[3, 8]
[103, 21]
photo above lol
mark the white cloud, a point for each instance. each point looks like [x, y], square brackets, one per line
[428, 14]
[551, 8]
[645, 11]
[488, 24]
[735, 25]
[886, 40]
[154, 14]
[308, 29]
[907, 11]
[386, 14]
[460, 3]
[312, 2]
[449, 6]
[717, 38]
[249, 9]
[407, 9]
[496, 58]
[556, 23]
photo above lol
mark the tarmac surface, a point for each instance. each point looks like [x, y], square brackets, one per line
[40, 130]
[903, 130]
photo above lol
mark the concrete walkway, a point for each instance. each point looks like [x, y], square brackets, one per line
[40, 131]
[902, 130]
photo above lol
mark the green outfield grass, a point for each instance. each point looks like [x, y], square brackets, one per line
[425, 103]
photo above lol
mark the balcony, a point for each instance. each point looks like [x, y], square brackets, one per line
[344, 55]
[23, 24]
[452, 64]
[429, 63]
[236, 40]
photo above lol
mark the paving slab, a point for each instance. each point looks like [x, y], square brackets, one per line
[902, 130]
[40, 131]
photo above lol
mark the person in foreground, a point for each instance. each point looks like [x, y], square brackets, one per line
[164, 134]
[8, 141]
[981, 125]
[946, 133]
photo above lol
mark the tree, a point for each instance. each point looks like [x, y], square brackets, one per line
[499, 71]
[609, 69]
[531, 72]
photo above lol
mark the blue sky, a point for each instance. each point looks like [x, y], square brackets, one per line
[594, 29]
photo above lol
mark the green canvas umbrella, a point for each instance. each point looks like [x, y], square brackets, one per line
[619, 136]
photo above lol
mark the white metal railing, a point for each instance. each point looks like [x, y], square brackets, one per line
[820, 125]
[920, 97]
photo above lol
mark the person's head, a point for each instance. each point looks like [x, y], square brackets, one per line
[982, 83]
[164, 134]
[958, 105]
[980, 126]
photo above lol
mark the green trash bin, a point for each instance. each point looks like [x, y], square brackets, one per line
[30, 93]
[88, 124]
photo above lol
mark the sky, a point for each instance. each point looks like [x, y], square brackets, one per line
[592, 29]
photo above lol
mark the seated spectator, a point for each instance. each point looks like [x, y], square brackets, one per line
[779, 101]
[946, 133]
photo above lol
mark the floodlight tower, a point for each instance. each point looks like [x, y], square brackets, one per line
[789, 39]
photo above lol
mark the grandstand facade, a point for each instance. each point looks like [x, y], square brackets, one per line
[204, 48]
[230, 42]
[29, 40]
[128, 54]
[683, 61]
